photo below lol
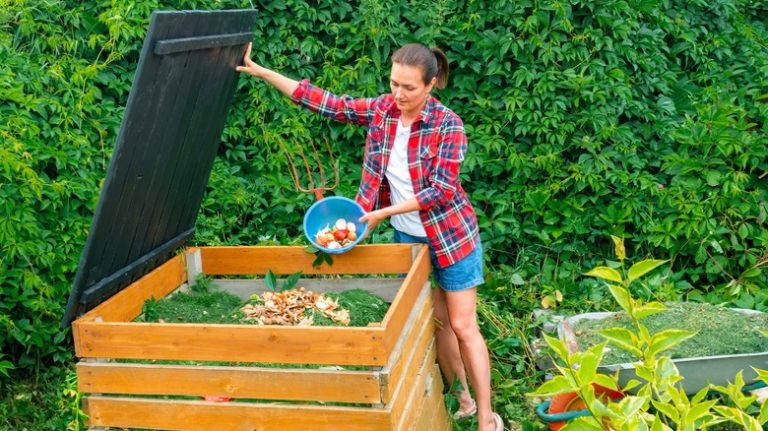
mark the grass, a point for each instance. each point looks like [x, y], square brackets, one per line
[224, 308]
[719, 331]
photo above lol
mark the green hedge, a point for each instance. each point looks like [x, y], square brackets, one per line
[643, 119]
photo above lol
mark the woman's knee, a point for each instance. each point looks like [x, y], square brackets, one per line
[465, 328]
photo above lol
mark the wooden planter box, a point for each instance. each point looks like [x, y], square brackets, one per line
[394, 384]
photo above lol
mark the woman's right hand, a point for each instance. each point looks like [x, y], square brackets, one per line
[286, 85]
[250, 67]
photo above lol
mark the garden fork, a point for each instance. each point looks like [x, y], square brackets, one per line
[321, 187]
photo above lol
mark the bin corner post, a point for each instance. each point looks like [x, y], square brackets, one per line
[194, 262]
[415, 252]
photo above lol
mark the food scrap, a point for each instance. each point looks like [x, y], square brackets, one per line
[342, 234]
[289, 308]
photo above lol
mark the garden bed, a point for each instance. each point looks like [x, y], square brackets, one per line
[728, 342]
[719, 331]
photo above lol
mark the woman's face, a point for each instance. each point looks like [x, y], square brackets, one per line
[408, 88]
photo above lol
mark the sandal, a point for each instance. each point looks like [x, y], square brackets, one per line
[463, 414]
[498, 421]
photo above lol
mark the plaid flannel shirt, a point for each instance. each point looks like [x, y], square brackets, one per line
[436, 148]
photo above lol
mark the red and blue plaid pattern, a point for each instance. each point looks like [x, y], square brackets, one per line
[436, 148]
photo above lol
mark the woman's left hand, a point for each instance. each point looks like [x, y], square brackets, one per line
[373, 218]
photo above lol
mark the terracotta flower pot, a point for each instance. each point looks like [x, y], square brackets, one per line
[570, 402]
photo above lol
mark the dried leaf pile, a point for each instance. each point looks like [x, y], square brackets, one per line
[291, 307]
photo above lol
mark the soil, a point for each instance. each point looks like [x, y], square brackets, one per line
[719, 331]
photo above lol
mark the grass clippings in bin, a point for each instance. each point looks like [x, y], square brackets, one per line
[222, 307]
[719, 331]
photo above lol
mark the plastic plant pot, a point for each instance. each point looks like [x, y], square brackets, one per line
[564, 407]
[325, 212]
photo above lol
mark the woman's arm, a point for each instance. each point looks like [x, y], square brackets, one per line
[374, 218]
[283, 83]
[340, 108]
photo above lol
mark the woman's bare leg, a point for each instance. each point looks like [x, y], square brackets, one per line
[448, 354]
[462, 313]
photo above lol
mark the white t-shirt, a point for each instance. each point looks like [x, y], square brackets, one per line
[400, 185]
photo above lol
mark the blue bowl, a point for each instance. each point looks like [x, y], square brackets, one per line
[325, 212]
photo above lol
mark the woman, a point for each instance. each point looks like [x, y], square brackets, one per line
[414, 148]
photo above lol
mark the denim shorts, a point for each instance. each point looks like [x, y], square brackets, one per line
[462, 275]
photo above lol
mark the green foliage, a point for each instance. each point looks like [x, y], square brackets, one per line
[202, 284]
[5, 366]
[657, 401]
[288, 283]
[49, 402]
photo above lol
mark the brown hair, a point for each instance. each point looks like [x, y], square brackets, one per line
[432, 61]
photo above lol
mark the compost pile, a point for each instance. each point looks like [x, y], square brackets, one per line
[719, 331]
[293, 307]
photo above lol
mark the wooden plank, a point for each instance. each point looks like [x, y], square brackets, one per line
[170, 46]
[411, 346]
[126, 305]
[108, 286]
[433, 415]
[144, 125]
[235, 343]
[363, 259]
[395, 319]
[189, 194]
[384, 288]
[165, 149]
[113, 201]
[177, 415]
[236, 382]
[206, 110]
[418, 397]
[416, 379]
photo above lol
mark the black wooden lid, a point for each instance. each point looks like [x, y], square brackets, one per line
[176, 111]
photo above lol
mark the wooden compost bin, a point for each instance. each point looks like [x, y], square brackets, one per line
[394, 383]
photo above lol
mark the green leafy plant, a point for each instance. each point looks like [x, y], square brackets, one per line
[5, 367]
[72, 403]
[202, 284]
[659, 402]
[320, 256]
[288, 283]
[149, 310]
